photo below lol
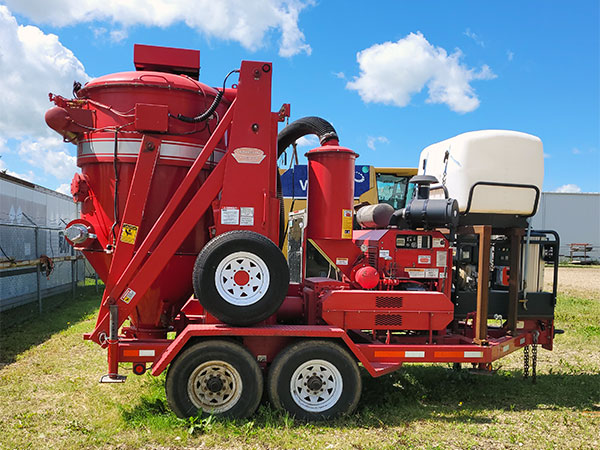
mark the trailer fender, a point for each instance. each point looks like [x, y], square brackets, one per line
[299, 331]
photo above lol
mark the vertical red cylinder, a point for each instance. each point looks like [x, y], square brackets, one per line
[330, 192]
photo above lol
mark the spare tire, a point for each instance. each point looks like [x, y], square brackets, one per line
[241, 277]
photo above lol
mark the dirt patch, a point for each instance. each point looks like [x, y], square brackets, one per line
[583, 280]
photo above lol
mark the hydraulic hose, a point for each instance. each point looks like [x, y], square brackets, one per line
[211, 109]
[301, 127]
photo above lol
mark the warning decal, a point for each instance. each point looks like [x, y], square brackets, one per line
[415, 272]
[247, 216]
[128, 233]
[128, 295]
[346, 224]
[230, 215]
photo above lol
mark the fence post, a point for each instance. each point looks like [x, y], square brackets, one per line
[36, 232]
[73, 273]
[38, 271]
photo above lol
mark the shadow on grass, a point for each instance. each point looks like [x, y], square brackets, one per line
[22, 328]
[438, 393]
[414, 393]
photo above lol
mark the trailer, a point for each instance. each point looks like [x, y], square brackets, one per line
[182, 216]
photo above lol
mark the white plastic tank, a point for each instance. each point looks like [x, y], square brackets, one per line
[487, 156]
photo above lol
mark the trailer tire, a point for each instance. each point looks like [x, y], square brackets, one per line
[214, 377]
[241, 277]
[314, 380]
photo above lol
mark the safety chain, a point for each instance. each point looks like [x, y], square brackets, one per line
[526, 361]
[533, 363]
[533, 359]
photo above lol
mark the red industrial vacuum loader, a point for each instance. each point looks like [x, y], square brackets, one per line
[182, 217]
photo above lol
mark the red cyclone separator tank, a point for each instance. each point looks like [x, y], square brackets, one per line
[330, 192]
[121, 92]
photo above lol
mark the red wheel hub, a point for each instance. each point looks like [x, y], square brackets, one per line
[241, 277]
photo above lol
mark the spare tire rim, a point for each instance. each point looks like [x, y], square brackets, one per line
[215, 387]
[242, 278]
[316, 385]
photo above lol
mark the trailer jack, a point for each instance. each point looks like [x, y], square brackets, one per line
[113, 349]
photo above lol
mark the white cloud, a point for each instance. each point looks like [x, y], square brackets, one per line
[372, 140]
[568, 188]
[340, 75]
[576, 151]
[510, 55]
[50, 155]
[474, 36]
[64, 188]
[392, 72]
[247, 22]
[118, 35]
[310, 140]
[28, 176]
[99, 32]
[32, 64]
[547, 155]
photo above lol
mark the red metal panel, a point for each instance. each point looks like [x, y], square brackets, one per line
[427, 353]
[249, 196]
[134, 208]
[151, 117]
[387, 310]
[150, 57]
[305, 331]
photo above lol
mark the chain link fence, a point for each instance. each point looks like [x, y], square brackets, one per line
[36, 262]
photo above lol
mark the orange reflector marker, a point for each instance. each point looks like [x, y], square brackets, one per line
[448, 354]
[391, 353]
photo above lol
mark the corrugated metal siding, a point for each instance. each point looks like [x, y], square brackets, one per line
[576, 218]
[22, 205]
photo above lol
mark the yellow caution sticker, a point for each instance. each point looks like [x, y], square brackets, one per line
[346, 224]
[128, 295]
[129, 233]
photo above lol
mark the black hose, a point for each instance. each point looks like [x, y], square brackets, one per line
[286, 137]
[301, 127]
[211, 109]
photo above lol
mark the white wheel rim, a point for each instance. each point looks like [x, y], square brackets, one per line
[227, 278]
[327, 394]
[224, 395]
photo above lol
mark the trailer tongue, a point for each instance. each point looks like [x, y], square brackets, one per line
[182, 217]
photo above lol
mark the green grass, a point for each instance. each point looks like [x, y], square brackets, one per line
[50, 398]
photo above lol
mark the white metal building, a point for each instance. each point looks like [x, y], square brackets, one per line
[32, 220]
[576, 218]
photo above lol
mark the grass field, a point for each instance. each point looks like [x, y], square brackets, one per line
[50, 396]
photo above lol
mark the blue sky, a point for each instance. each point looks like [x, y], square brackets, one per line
[393, 77]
